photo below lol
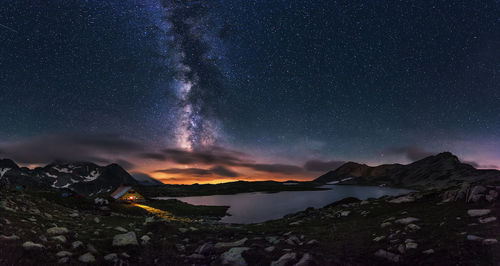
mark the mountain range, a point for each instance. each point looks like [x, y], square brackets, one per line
[438, 171]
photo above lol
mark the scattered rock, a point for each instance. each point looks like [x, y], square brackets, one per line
[11, 237]
[233, 256]
[61, 238]
[183, 230]
[32, 246]
[121, 229]
[305, 260]
[76, 244]
[272, 239]
[387, 255]
[476, 193]
[64, 254]
[428, 251]
[407, 220]
[403, 199]
[270, 249]
[478, 212]
[487, 219]
[490, 241]
[411, 245]
[474, 238]
[125, 239]
[312, 242]
[92, 249]
[87, 258]
[205, 248]
[63, 260]
[111, 257]
[378, 238]
[231, 244]
[413, 227]
[195, 256]
[283, 260]
[145, 239]
[345, 213]
[293, 240]
[97, 220]
[385, 224]
[181, 248]
[57, 230]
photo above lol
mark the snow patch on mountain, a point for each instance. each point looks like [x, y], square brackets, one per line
[50, 175]
[3, 171]
[92, 176]
[63, 170]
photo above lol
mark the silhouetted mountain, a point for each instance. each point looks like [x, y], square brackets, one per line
[440, 170]
[82, 177]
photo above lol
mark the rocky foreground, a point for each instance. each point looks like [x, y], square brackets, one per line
[453, 226]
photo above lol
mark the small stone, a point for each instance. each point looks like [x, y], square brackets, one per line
[413, 227]
[76, 244]
[87, 258]
[92, 249]
[75, 214]
[205, 248]
[11, 237]
[478, 212]
[487, 219]
[270, 249]
[63, 260]
[145, 239]
[411, 245]
[183, 230]
[121, 229]
[474, 238]
[283, 260]
[490, 241]
[312, 242]
[196, 256]
[378, 238]
[111, 257]
[384, 225]
[97, 220]
[428, 251]
[64, 254]
[32, 246]
[407, 220]
[305, 260]
[57, 230]
[345, 213]
[61, 238]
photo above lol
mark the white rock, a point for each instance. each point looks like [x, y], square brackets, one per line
[378, 238]
[57, 230]
[490, 241]
[407, 220]
[384, 225]
[64, 254]
[312, 242]
[283, 260]
[30, 245]
[231, 244]
[428, 251]
[145, 239]
[270, 249]
[11, 237]
[345, 213]
[474, 238]
[233, 256]
[125, 239]
[61, 238]
[76, 244]
[478, 212]
[121, 229]
[487, 219]
[87, 258]
[97, 220]
[411, 245]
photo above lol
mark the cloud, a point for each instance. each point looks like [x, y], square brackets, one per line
[322, 166]
[275, 168]
[214, 171]
[412, 153]
[481, 166]
[48, 148]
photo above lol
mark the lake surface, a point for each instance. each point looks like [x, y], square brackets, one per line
[258, 207]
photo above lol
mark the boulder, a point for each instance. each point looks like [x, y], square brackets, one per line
[11, 237]
[463, 192]
[87, 258]
[478, 212]
[233, 256]
[121, 229]
[145, 239]
[57, 230]
[285, 259]
[125, 239]
[60, 238]
[76, 244]
[428, 251]
[270, 249]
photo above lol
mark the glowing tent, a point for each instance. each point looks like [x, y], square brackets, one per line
[125, 193]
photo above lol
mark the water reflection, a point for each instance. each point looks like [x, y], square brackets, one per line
[258, 207]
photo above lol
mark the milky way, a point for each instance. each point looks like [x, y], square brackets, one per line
[195, 77]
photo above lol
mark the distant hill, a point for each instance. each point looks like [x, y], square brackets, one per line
[438, 171]
[82, 177]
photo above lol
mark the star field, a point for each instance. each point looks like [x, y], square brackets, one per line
[282, 82]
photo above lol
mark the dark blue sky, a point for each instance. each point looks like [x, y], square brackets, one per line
[283, 81]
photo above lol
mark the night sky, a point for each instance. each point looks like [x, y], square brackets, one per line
[214, 91]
